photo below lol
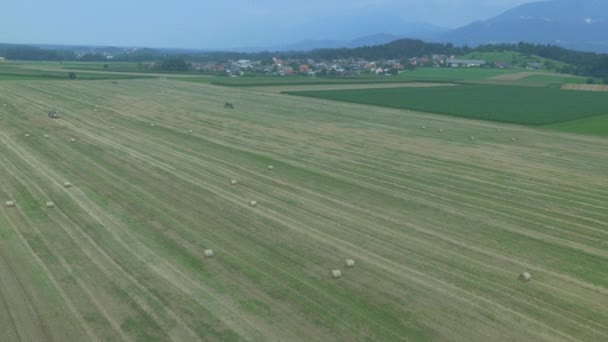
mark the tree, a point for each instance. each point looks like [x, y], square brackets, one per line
[174, 63]
[72, 75]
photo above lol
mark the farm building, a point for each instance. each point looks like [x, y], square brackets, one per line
[456, 63]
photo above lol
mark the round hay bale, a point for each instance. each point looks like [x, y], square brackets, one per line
[46, 135]
[336, 274]
[253, 203]
[152, 125]
[525, 277]
[27, 135]
[233, 181]
[209, 253]
[472, 138]
[441, 130]
[513, 139]
[112, 127]
[10, 204]
[423, 127]
[50, 205]
[72, 140]
[270, 167]
[349, 263]
[498, 130]
[190, 131]
[67, 184]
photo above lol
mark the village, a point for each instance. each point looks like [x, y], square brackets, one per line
[344, 67]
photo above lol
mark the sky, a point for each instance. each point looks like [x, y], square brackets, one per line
[204, 24]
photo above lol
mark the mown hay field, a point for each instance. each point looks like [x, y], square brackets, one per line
[502, 103]
[439, 226]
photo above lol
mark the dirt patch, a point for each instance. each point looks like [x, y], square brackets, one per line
[313, 87]
[585, 87]
[515, 77]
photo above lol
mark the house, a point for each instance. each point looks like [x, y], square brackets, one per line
[304, 68]
[465, 62]
[535, 66]
[244, 64]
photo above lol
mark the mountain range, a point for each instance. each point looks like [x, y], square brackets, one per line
[575, 24]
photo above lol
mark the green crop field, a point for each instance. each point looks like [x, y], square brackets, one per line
[597, 125]
[17, 72]
[439, 220]
[511, 104]
[511, 57]
[454, 74]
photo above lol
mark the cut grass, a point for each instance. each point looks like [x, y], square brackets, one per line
[511, 104]
[17, 73]
[440, 226]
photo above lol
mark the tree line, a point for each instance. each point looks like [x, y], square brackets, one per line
[578, 62]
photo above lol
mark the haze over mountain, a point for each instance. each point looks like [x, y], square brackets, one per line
[576, 24]
[230, 24]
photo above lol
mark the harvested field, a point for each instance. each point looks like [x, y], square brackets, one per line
[440, 226]
[586, 87]
[515, 76]
[318, 87]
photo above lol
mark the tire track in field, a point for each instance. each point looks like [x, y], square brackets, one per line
[345, 246]
[61, 259]
[52, 279]
[201, 163]
[546, 218]
[119, 148]
[169, 273]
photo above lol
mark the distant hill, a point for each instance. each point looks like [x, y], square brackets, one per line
[307, 45]
[576, 24]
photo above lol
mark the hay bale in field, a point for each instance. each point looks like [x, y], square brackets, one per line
[349, 263]
[513, 139]
[208, 253]
[525, 277]
[152, 125]
[423, 127]
[472, 138]
[253, 203]
[270, 167]
[112, 127]
[498, 130]
[233, 181]
[190, 131]
[10, 204]
[441, 130]
[27, 135]
[72, 140]
[336, 274]
[50, 205]
[67, 184]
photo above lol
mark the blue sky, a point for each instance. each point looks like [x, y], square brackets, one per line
[219, 24]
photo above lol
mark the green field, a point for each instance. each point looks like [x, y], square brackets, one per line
[511, 57]
[597, 125]
[511, 104]
[454, 74]
[16, 72]
[440, 225]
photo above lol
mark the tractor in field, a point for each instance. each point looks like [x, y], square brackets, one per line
[54, 114]
[228, 105]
